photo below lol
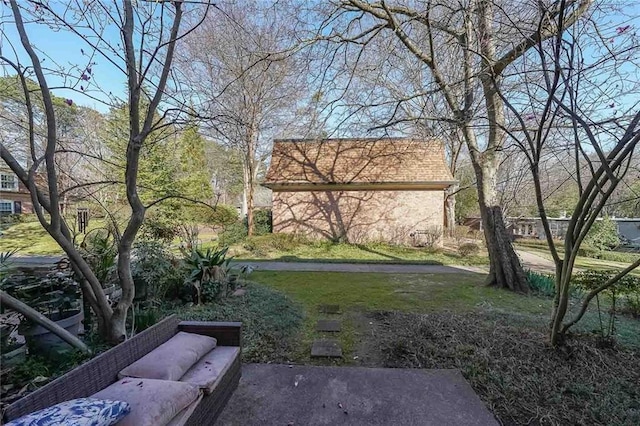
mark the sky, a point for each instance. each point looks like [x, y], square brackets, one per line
[63, 49]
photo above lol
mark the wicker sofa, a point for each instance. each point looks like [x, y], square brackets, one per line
[102, 370]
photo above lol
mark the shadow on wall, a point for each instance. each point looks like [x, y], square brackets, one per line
[345, 216]
[356, 191]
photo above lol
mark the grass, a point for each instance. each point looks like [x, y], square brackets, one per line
[287, 248]
[30, 238]
[358, 293]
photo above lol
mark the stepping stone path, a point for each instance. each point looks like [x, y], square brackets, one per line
[328, 325]
[329, 348]
[326, 348]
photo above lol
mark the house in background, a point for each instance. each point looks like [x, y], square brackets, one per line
[14, 196]
[358, 190]
[531, 227]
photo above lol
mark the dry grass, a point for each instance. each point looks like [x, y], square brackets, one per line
[519, 377]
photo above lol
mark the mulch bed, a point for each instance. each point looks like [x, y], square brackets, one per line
[509, 364]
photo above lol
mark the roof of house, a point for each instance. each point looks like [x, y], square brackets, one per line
[358, 161]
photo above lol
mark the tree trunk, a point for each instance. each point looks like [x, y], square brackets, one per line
[505, 270]
[450, 210]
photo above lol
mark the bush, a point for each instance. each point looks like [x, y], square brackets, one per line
[156, 271]
[429, 237]
[157, 226]
[262, 222]
[100, 252]
[468, 249]
[262, 244]
[632, 304]
[209, 274]
[629, 285]
[218, 217]
[233, 234]
[541, 284]
[603, 235]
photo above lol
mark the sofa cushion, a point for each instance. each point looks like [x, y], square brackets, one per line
[153, 402]
[182, 417]
[172, 359]
[207, 373]
[79, 412]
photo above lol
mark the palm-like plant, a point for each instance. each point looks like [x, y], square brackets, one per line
[208, 266]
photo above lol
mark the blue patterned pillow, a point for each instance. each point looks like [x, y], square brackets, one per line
[77, 412]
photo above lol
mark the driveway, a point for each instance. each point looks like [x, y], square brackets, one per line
[535, 262]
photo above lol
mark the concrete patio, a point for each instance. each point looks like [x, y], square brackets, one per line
[285, 395]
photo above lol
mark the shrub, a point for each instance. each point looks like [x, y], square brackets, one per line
[100, 251]
[209, 271]
[541, 284]
[232, 234]
[262, 244]
[468, 249]
[628, 285]
[632, 304]
[220, 216]
[155, 270]
[429, 237]
[158, 226]
[262, 222]
[603, 235]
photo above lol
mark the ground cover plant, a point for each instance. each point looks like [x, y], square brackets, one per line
[270, 320]
[505, 358]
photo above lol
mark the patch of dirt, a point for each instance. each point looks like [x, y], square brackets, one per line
[508, 363]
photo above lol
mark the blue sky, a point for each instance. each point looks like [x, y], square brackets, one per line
[71, 53]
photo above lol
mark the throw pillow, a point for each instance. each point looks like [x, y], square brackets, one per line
[172, 359]
[77, 412]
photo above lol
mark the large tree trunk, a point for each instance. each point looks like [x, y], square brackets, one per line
[505, 270]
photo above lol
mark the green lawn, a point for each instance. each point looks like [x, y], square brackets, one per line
[278, 247]
[28, 238]
[31, 238]
[361, 293]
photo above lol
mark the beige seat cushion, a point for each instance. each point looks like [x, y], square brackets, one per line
[207, 373]
[172, 359]
[153, 402]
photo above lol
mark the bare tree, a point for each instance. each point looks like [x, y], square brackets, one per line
[243, 76]
[578, 96]
[482, 38]
[149, 32]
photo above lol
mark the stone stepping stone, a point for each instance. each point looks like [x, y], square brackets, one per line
[326, 348]
[328, 325]
[329, 309]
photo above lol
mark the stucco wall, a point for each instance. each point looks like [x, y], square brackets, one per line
[360, 215]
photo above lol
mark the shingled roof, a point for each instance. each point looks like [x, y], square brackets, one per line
[357, 161]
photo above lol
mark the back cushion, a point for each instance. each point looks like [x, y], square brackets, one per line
[172, 359]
